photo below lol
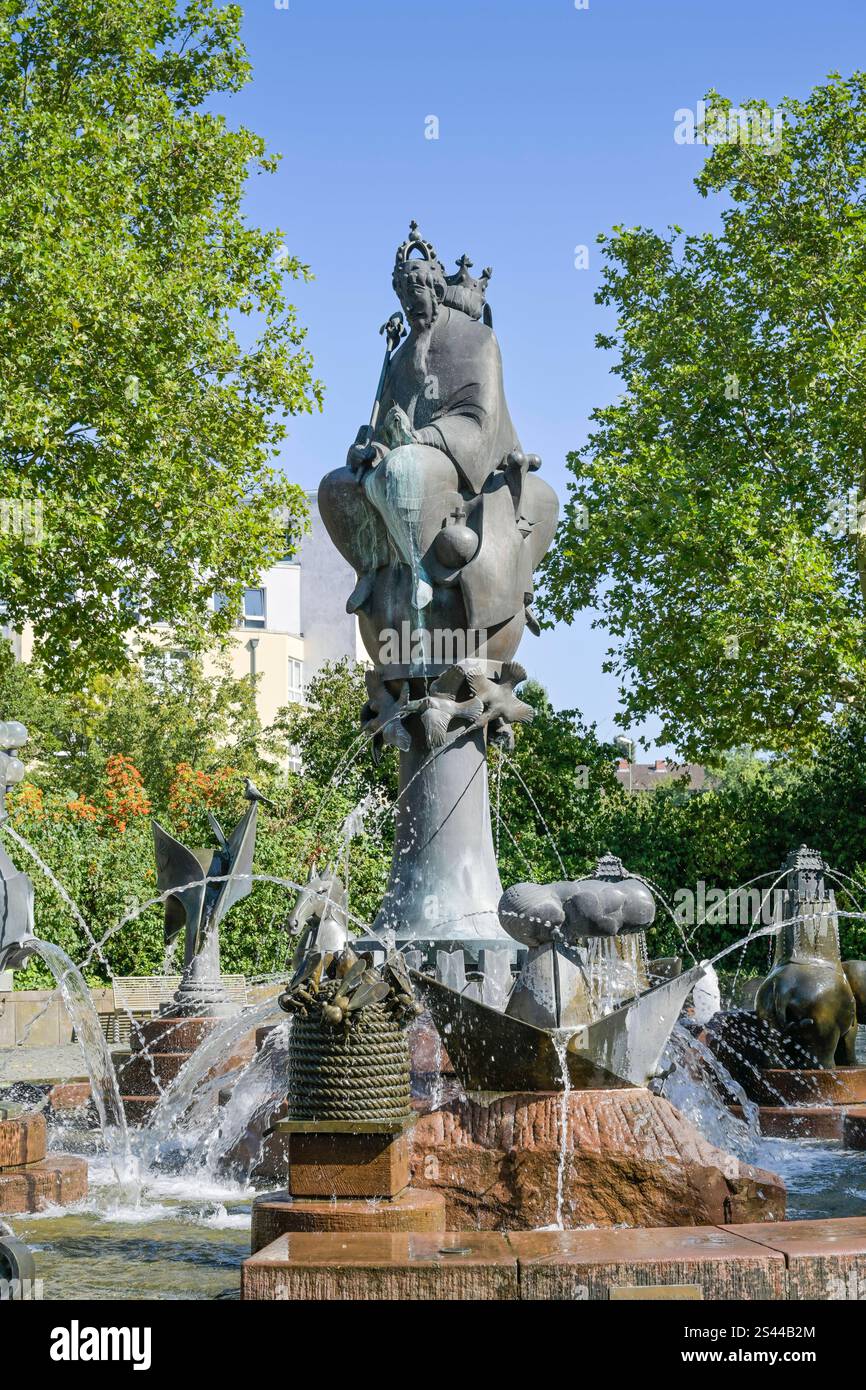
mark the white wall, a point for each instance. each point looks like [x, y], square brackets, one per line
[329, 632]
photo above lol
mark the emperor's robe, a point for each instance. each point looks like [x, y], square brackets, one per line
[449, 383]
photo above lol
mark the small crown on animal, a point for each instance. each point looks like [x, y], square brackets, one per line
[610, 866]
[465, 291]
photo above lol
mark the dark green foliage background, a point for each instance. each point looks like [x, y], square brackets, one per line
[741, 827]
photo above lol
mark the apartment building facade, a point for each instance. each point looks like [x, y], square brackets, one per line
[292, 622]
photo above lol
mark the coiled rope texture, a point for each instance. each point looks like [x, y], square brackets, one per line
[359, 1073]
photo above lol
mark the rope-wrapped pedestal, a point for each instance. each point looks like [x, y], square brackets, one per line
[359, 1073]
[348, 1110]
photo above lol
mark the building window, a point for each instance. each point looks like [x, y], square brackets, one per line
[165, 667]
[254, 608]
[253, 613]
[296, 680]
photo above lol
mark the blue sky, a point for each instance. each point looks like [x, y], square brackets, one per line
[555, 123]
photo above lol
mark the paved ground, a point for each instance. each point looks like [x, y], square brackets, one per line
[42, 1063]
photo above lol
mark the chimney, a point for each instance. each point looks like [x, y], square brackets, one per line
[661, 765]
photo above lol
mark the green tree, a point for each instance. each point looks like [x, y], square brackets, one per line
[158, 717]
[137, 407]
[713, 517]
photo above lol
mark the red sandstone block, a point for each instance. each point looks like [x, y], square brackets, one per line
[347, 1165]
[22, 1140]
[799, 1121]
[145, 1074]
[138, 1109]
[590, 1264]
[55, 1181]
[854, 1130]
[836, 1085]
[174, 1034]
[454, 1265]
[825, 1259]
[69, 1095]
[276, 1213]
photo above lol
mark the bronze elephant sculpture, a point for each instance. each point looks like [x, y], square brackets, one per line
[855, 973]
[812, 1005]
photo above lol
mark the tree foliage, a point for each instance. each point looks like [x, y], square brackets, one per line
[556, 807]
[725, 491]
[148, 353]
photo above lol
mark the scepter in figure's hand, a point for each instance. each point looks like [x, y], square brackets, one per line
[363, 451]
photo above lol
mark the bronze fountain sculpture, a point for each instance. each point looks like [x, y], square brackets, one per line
[808, 998]
[444, 520]
[204, 884]
[559, 1029]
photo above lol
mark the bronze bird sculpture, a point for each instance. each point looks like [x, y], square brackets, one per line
[498, 697]
[382, 715]
[441, 706]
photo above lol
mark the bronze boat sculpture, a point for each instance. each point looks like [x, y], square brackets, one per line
[554, 1032]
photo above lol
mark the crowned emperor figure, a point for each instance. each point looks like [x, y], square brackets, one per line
[438, 509]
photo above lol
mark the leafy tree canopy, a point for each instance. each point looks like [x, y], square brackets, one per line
[133, 411]
[717, 517]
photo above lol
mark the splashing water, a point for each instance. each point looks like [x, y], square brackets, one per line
[100, 1067]
[236, 1146]
[178, 1097]
[702, 1089]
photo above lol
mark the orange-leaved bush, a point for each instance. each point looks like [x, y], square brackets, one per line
[125, 796]
[192, 790]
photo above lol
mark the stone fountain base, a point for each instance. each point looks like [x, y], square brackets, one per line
[768, 1262]
[810, 1103]
[160, 1048]
[792, 1102]
[631, 1159]
[277, 1213]
[30, 1180]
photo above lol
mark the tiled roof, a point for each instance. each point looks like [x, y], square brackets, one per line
[642, 777]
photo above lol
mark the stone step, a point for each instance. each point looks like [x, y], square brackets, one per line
[854, 1129]
[22, 1140]
[799, 1121]
[276, 1213]
[71, 1095]
[138, 1109]
[779, 1261]
[823, 1259]
[54, 1181]
[346, 1266]
[147, 1075]
[813, 1086]
[707, 1262]
[173, 1034]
